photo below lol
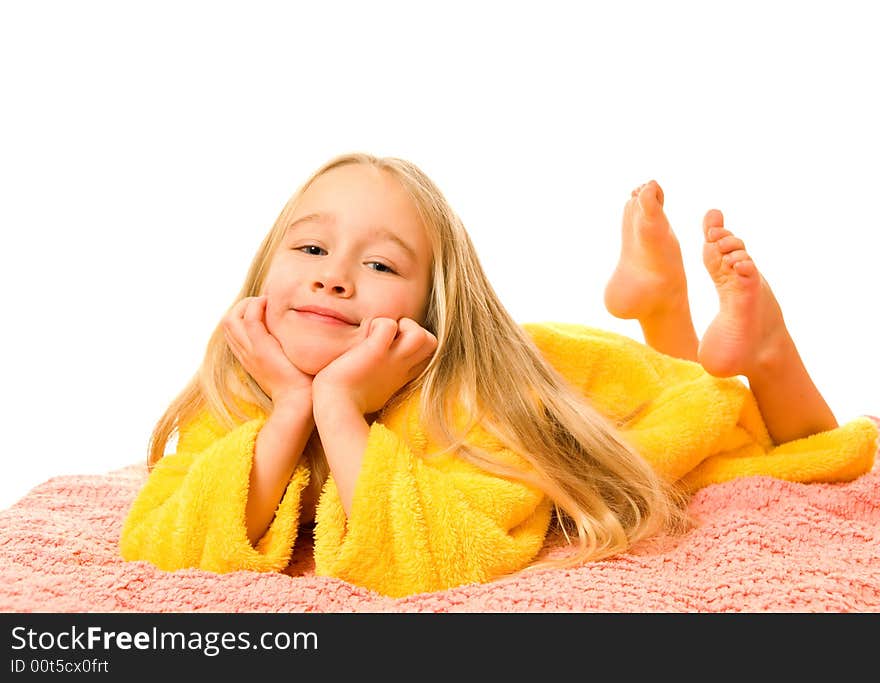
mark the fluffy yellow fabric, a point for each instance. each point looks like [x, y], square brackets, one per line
[423, 522]
[427, 523]
[695, 428]
[190, 512]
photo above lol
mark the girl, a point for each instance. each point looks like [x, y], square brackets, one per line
[368, 379]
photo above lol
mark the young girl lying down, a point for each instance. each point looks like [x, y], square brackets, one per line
[368, 386]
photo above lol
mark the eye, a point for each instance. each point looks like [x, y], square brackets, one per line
[380, 267]
[312, 250]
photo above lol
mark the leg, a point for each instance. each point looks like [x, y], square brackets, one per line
[748, 337]
[649, 283]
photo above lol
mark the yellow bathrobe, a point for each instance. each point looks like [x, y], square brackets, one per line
[421, 522]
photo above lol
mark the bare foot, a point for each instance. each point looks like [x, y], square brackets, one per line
[749, 330]
[649, 279]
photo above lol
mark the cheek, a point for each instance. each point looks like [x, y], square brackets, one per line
[399, 303]
[422, 307]
[422, 300]
[279, 298]
[275, 309]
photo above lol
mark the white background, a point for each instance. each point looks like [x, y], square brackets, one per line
[146, 148]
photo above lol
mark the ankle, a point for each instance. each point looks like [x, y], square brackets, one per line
[668, 318]
[671, 310]
[670, 329]
[777, 356]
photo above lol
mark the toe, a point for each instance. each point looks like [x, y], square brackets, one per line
[716, 234]
[745, 268]
[713, 219]
[651, 197]
[658, 191]
[731, 258]
[729, 243]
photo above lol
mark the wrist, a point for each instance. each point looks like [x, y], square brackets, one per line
[295, 403]
[328, 394]
[336, 399]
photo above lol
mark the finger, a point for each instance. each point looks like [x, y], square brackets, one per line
[234, 313]
[256, 306]
[382, 333]
[410, 337]
[238, 349]
[414, 340]
[427, 348]
[238, 308]
[254, 311]
[233, 329]
[249, 332]
[254, 318]
[232, 321]
[365, 326]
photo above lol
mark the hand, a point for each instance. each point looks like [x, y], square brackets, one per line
[260, 353]
[370, 373]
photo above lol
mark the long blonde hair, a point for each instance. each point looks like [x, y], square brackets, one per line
[606, 496]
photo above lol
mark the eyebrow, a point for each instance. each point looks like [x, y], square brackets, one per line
[310, 218]
[380, 233]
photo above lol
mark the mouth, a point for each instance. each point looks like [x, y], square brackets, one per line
[325, 315]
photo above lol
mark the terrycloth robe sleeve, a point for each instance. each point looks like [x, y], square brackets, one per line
[695, 428]
[191, 510]
[420, 524]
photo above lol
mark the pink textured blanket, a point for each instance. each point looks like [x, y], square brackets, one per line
[760, 544]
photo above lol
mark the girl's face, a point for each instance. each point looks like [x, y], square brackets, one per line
[355, 250]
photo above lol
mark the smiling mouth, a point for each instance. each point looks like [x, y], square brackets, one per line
[325, 316]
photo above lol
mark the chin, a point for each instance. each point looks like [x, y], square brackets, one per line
[312, 360]
[312, 367]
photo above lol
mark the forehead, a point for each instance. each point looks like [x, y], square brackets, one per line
[358, 192]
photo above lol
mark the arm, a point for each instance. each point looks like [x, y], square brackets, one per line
[360, 382]
[282, 439]
[230, 500]
[344, 433]
[277, 452]
[393, 518]
[191, 511]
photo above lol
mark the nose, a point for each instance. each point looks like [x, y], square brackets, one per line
[333, 279]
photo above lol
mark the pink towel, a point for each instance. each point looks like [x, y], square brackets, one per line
[760, 544]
